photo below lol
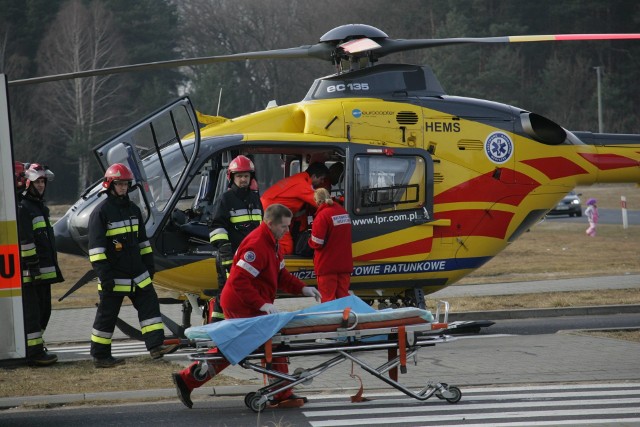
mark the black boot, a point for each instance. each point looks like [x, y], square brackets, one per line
[107, 362]
[42, 359]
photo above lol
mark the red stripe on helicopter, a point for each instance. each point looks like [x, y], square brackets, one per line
[485, 188]
[556, 167]
[609, 161]
[411, 248]
[475, 222]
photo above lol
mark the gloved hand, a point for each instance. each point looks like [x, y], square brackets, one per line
[107, 285]
[309, 291]
[269, 308]
[225, 252]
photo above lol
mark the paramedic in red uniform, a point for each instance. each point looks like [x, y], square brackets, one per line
[331, 241]
[296, 193]
[258, 272]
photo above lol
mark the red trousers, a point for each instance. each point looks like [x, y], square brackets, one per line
[334, 286]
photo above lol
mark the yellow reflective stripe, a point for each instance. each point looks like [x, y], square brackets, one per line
[151, 328]
[122, 288]
[51, 275]
[27, 254]
[26, 279]
[146, 250]
[39, 224]
[100, 340]
[245, 218]
[122, 230]
[97, 257]
[217, 315]
[145, 282]
[35, 341]
[219, 236]
[227, 262]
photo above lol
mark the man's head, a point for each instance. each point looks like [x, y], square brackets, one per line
[318, 172]
[278, 219]
[117, 179]
[240, 171]
[37, 178]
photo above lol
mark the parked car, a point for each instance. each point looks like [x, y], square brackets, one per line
[569, 205]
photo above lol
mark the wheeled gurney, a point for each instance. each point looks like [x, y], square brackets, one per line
[343, 333]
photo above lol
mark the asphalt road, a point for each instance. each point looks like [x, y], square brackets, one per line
[503, 372]
[606, 216]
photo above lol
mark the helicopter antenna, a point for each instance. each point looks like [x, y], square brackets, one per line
[219, 99]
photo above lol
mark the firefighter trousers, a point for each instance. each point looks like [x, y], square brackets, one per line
[36, 306]
[145, 301]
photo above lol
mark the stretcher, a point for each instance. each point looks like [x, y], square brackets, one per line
[341, 335]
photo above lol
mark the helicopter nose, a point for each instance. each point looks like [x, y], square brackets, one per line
[65, 242]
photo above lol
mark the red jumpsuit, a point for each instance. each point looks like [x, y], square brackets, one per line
[332, 258]
[293, 192]
[258, 272]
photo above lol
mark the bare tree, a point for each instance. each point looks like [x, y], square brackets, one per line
[76, 111]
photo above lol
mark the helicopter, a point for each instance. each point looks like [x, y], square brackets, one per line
[436, 185]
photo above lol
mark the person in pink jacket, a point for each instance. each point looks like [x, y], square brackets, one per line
[331, 241]
[592, 216]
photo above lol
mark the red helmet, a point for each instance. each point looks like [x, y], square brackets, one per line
[37, 171]
[240, 164]
[18, 172]
[117, 172]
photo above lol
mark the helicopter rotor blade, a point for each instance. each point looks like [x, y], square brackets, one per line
[349, 39]
[389, 46]
[320, 51]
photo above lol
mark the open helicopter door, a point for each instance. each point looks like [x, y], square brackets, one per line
[391, 207]
[159, 150]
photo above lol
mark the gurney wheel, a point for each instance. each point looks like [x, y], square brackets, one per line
[457, 395]
[252, 401]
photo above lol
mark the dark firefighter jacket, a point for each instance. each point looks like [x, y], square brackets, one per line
[37, 243]
[119, 249]
[235, 214]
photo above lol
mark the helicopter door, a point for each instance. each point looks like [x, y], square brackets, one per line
[159, 150]
[391, 206]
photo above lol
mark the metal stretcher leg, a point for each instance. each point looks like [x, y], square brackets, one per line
[442, 390]
[258, 400]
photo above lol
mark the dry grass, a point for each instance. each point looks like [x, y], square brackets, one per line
[627, 335]
[139, 373]
[544, 300]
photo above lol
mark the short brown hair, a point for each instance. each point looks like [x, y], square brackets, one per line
[275, 213]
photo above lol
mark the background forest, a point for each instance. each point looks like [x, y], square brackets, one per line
[58, 123]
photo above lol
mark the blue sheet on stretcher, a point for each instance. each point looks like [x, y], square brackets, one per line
[238, 338]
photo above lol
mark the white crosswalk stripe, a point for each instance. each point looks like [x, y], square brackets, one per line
[562, 404]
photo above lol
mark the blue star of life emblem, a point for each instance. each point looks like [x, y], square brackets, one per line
[498, 147]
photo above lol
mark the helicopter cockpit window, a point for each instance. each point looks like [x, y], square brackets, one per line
[136, 197]
[172, 160]
[389, 183]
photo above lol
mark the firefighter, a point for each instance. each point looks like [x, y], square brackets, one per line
[20, 177]
[331, 241]
[235, 215]
[39, 262]
[296, 193]
[122, 258]
[258, 273]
